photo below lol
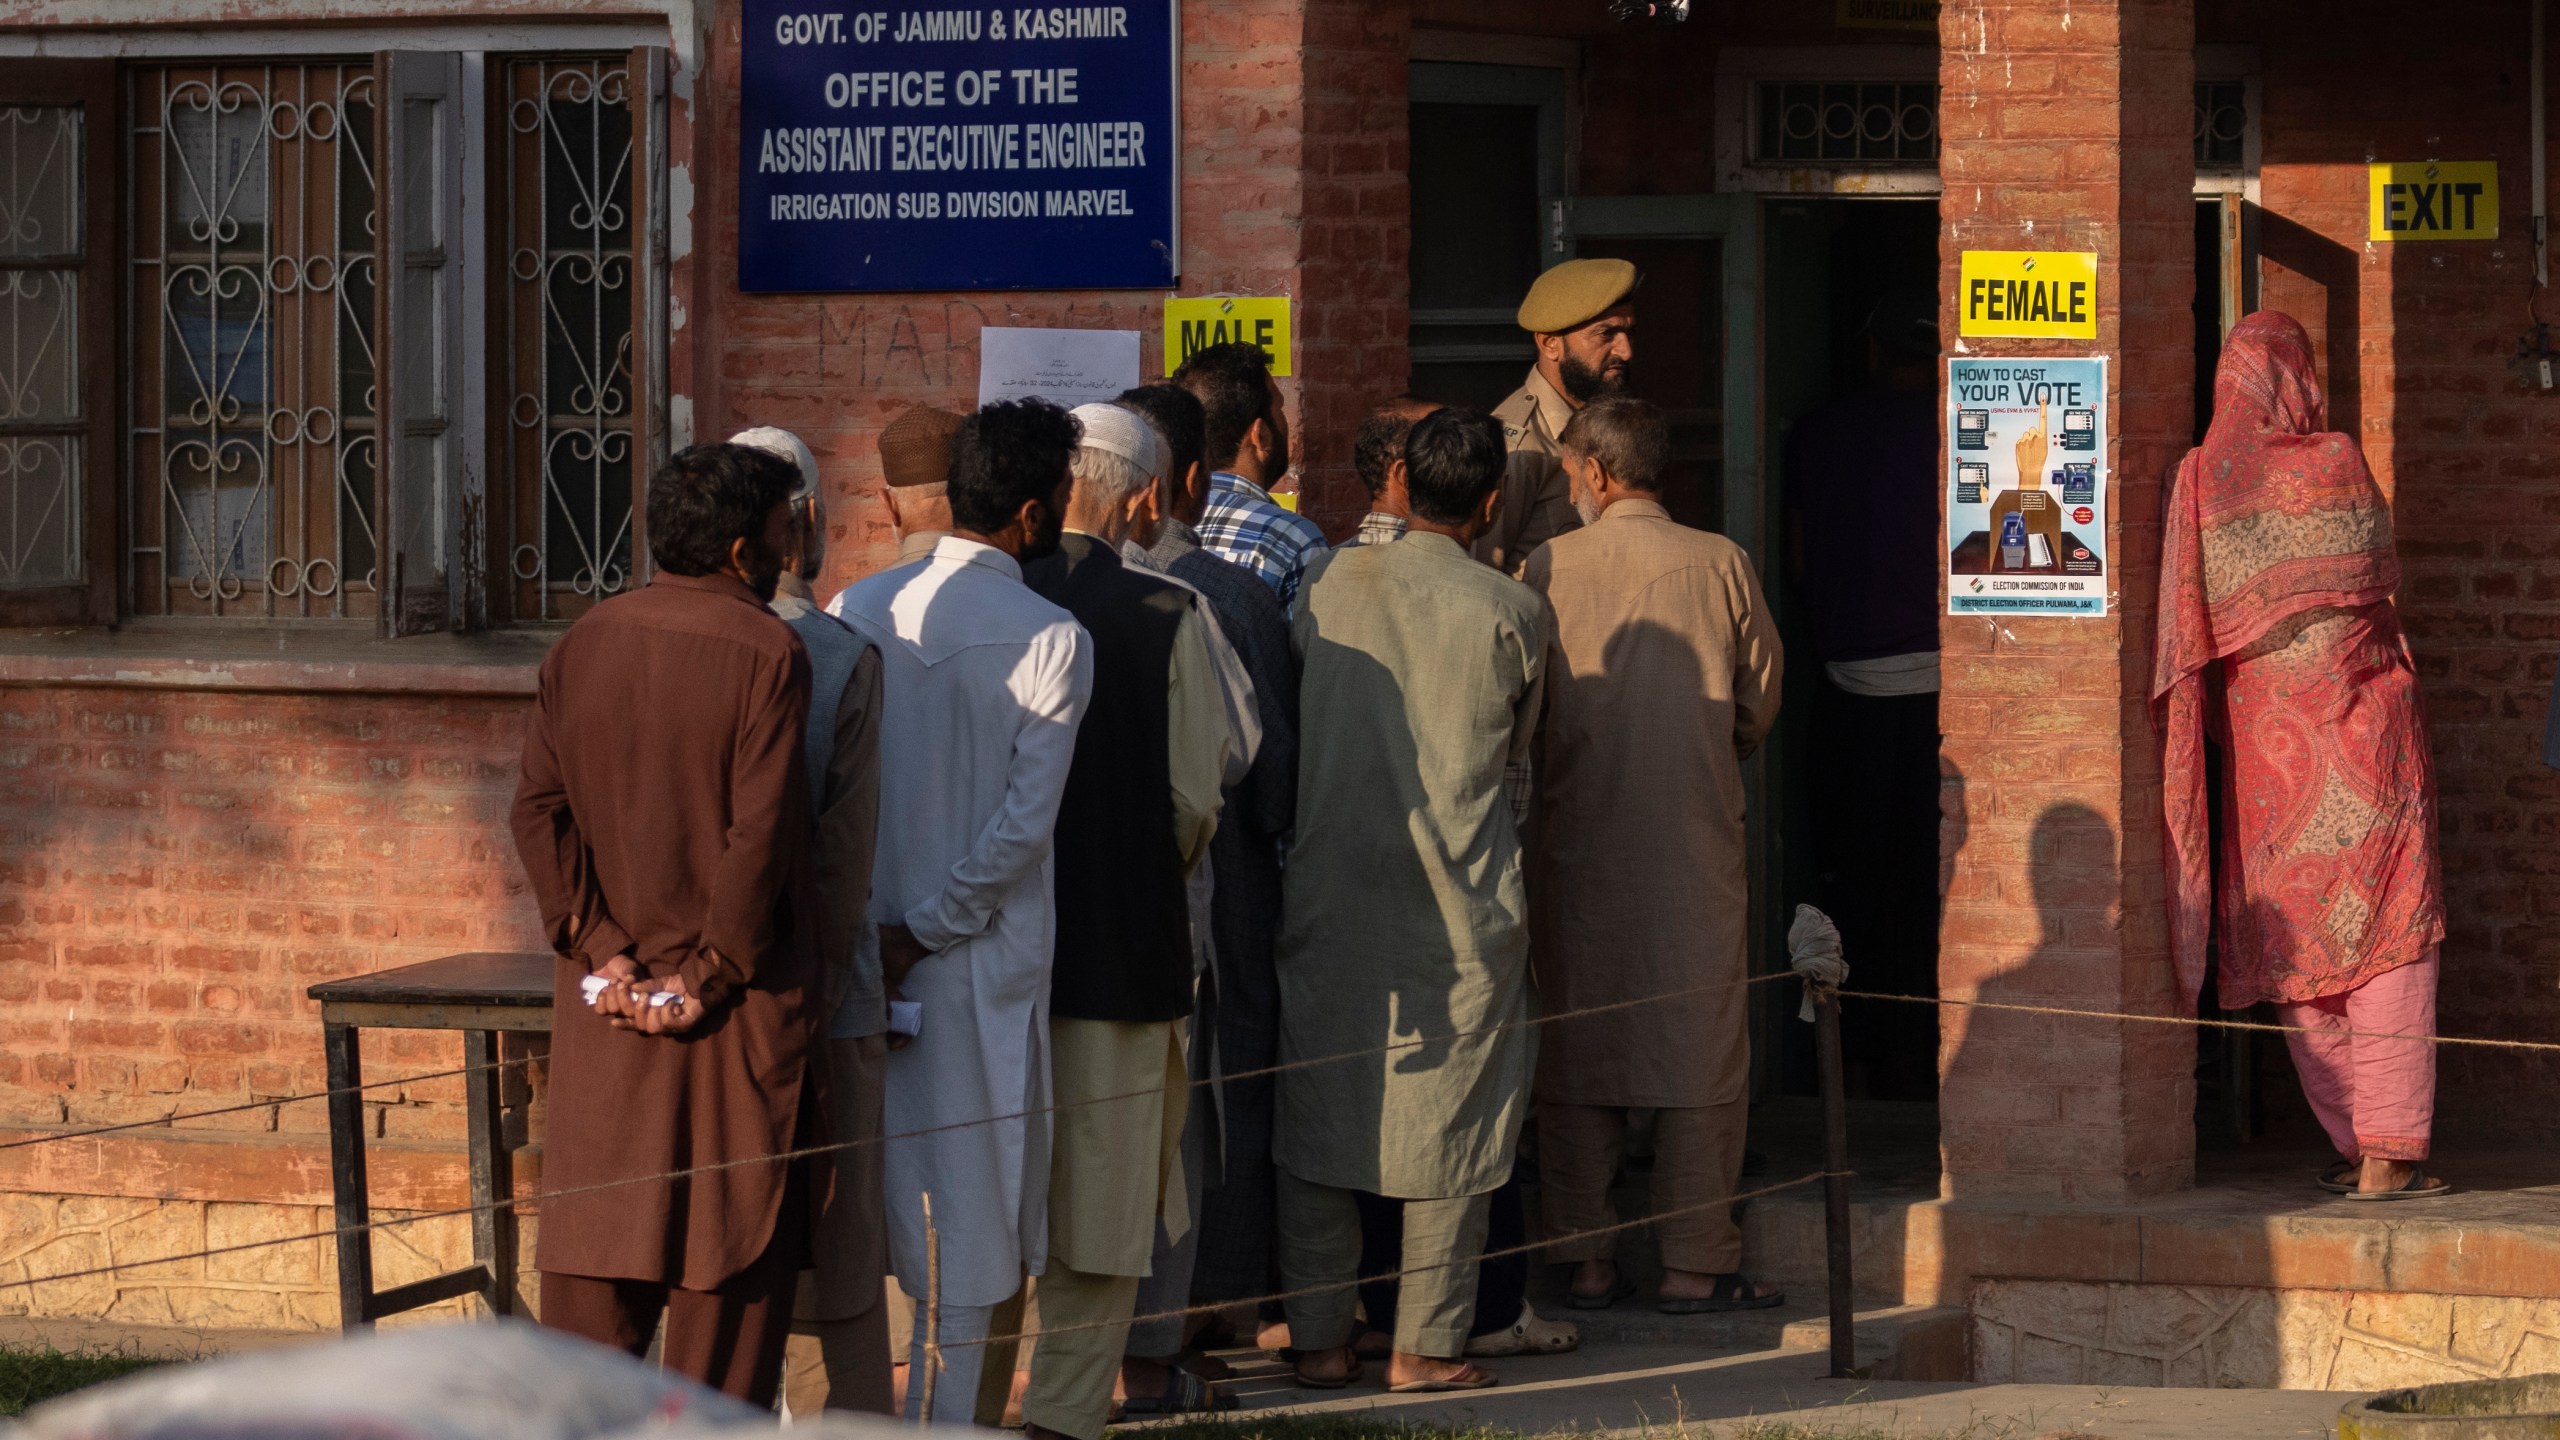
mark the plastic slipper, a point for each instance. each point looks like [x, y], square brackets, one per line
[2340, 1179]
[1205, 1365]
[1184, 1394]
[1732, 1292]
[1619, 1289]
[1531, 1334]
[1474, 1377]
[2420, 1186]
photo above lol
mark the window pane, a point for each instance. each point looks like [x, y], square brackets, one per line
[40, 421]
[40, 164]
[569, 444]
[253, 341]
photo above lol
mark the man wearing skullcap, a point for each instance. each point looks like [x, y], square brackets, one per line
[1141, 803]
[840, 1294]
[915, 458]
[1581, 314]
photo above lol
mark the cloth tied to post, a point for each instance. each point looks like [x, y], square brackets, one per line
[1813, 948]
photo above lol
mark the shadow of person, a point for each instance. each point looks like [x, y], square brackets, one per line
[2059, 1105]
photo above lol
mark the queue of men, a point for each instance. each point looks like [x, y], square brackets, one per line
[971, 891]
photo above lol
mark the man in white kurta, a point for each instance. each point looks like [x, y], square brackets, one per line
[984, 686]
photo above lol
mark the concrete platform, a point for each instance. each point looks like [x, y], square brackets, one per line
[2254, 1278]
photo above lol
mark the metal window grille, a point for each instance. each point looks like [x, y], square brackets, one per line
[569, 396]
[2222, 124]
[1821, 122]
[42, 208]
[250, 299]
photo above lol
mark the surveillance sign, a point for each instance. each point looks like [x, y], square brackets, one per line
[958, 147]
[2027, 487]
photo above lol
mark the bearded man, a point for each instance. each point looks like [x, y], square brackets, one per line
[1582, 314]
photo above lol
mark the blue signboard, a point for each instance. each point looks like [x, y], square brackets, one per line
[958, 147]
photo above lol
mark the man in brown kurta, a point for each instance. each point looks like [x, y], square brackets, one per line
[1662, 676]
[663, 820]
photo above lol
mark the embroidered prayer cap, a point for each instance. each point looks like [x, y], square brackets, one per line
[915, 449]
[1575, 293]
[1121, 431]
[790, 447]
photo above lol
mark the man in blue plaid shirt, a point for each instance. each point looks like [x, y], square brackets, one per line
[1248, 449]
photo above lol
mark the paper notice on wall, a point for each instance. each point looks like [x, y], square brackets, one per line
[1064, 367]
[2027, 487]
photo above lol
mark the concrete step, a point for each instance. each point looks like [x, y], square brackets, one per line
[1901, 1342]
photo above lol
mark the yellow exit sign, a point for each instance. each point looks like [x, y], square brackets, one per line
[2435, 200]
[1193, 324]
[2029, 294]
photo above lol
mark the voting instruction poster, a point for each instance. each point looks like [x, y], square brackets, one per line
[2027, 487]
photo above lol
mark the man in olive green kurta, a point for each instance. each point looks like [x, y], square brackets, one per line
[1404, 916]
[1663, 675]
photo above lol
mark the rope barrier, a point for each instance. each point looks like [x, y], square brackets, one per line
[1325, 1289]
[2200, 1023]
[812, 1151]
[342, 1232]
[271, 1100]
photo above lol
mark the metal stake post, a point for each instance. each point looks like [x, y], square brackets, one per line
[1835, 1185]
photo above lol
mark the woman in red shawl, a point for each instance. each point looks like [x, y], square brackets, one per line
[2277, 633]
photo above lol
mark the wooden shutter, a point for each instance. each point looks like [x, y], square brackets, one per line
[59, 457]
[418, 256]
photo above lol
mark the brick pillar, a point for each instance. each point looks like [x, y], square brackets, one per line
[1294, 183]
[2066, 125]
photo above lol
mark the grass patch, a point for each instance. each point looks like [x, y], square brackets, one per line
[1367, 1427]
[30, 1376]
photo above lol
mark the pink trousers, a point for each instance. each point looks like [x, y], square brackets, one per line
[2375, 1097]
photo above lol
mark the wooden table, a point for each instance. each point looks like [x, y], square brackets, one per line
[479, 995]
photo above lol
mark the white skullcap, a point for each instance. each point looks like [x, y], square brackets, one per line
[790, 447]
[1121, 431]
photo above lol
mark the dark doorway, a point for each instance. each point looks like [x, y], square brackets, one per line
[1854, 776]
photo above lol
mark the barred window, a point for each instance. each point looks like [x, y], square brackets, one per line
[253, 477]
[345, 397]
[1846, 122]
[570, 373]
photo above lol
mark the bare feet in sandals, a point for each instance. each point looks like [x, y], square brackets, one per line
[1423, 1375]
[1326, 1369]
[2396, 1180]
[1689, 1292]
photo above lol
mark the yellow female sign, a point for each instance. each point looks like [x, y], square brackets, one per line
[2030, 294]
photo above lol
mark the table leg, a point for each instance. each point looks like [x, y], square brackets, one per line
[493, 1224]
[348, 1191]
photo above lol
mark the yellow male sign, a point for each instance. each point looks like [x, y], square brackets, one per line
[1194, 324]
[2030, 294]
[2435, 200]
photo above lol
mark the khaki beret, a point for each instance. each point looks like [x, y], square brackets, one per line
[915, 449]
[1576, 293]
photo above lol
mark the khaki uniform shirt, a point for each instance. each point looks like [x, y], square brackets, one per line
[1403, 914]
[1663, 674]
[1537, 505]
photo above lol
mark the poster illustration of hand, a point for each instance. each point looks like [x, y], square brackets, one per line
[2027, 487]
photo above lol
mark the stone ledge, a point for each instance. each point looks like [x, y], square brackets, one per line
[231, 1167]
[290, 659]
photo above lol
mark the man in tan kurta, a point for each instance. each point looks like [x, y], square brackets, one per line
[1663, 675]
[663, 820]
[1403, 914]
[1582, 315]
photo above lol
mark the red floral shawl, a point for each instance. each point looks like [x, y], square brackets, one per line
[2272, 517]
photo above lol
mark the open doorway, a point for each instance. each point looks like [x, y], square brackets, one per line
[1852, 381]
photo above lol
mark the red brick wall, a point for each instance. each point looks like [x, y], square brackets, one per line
[2066, 127]
[177, 866]
[2415, 340]
[1293, 183]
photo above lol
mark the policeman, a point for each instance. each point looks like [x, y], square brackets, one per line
[1582, 313]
